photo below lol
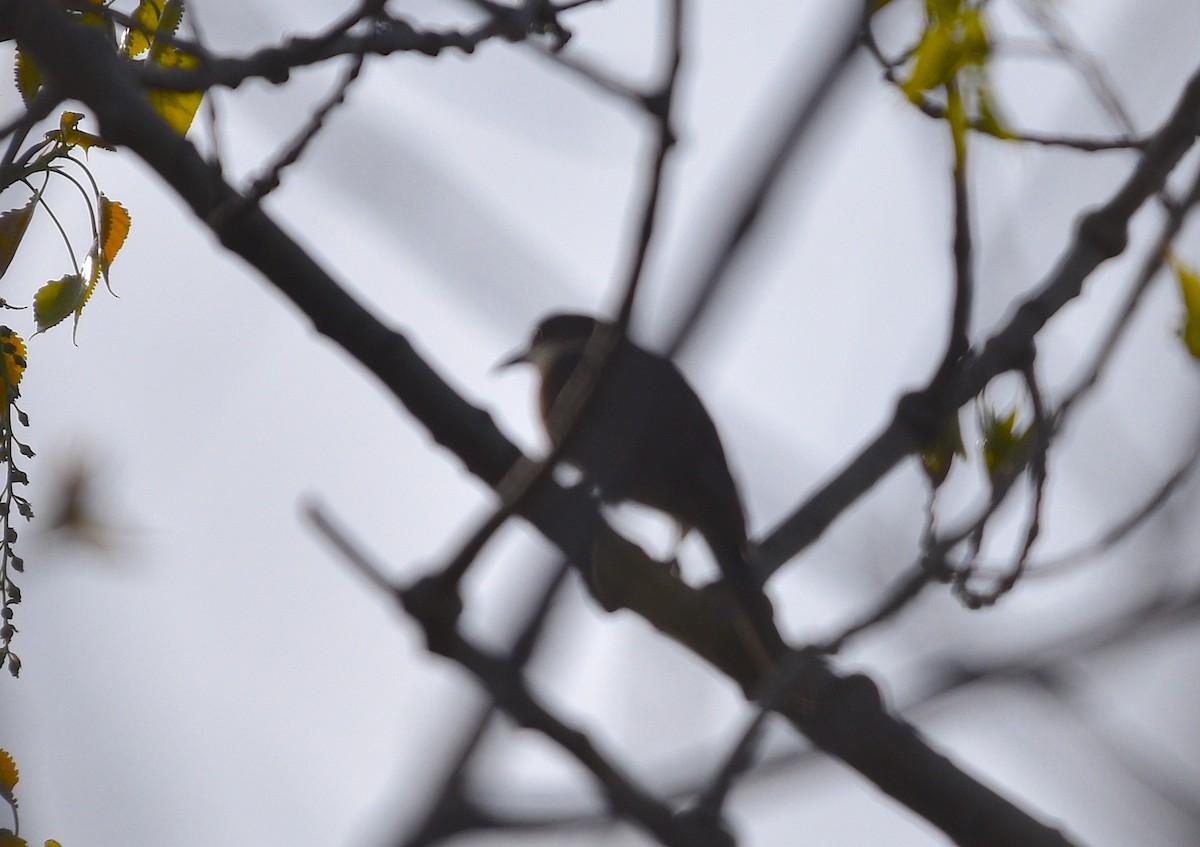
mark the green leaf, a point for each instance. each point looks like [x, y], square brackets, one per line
[955, 38]
[55, 300]
[934, 62]
[1005, 443]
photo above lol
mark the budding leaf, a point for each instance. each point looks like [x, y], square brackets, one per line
[938, 456]
[1189, 287]
[1005, 443]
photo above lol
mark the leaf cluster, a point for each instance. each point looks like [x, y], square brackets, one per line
[148, 39]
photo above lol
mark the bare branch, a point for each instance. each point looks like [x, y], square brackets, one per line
[1100, 235]
[843, 715]
[504, 682]
[759, 189]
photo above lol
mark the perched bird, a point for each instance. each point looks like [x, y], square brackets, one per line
[645, 436]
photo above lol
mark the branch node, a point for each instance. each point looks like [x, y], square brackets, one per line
[434, 603]
[1106, 235]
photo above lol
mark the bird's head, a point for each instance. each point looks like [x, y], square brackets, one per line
[552, 337]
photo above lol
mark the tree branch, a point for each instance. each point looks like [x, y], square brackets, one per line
[842, 715]
[1100, 235]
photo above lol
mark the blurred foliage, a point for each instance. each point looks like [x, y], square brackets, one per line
[149, 38]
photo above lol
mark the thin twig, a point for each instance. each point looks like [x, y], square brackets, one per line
[1042, 425]
[504, 682]
[1089, 69]
[18, 129]
[1127, 525]
[444, 816]
[270, 179]
[1176, 215]
[571, 405]
[767, 180]
[1101, 234]
[933, 109]
[958, 341]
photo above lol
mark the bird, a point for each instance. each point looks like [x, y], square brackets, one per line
[645, 436]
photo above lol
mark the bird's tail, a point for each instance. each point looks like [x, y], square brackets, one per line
[735, 563]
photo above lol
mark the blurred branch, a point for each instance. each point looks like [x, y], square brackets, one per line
[1093, 75]
[592, 74]
[844, 715]
[1034, 459]
[958, 341]
[658, 106]
[1100, 235]
[898, 597]
[451, 810]
[761, 186]
[17, 130]
[1047, 667]
[503, 681]
[1177, 213]
[572, 404]
[933, 109]
[1122, 528]
[387, 35]
[269, 180]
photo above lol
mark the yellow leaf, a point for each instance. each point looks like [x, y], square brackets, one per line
[138, 40]
[1189, 287]
[55, 300]
[68, 134]
[8, 774]
[8, 839]
[177, 108]
[50, 842]
[12, 356]
[168, 21]
[114, 227]
[91, 18]
[13, 224]
[29, 78]
[159, 17]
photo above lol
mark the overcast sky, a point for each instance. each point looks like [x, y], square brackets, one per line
[216, 675]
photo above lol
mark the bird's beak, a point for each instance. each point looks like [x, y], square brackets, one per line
[518, 358]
